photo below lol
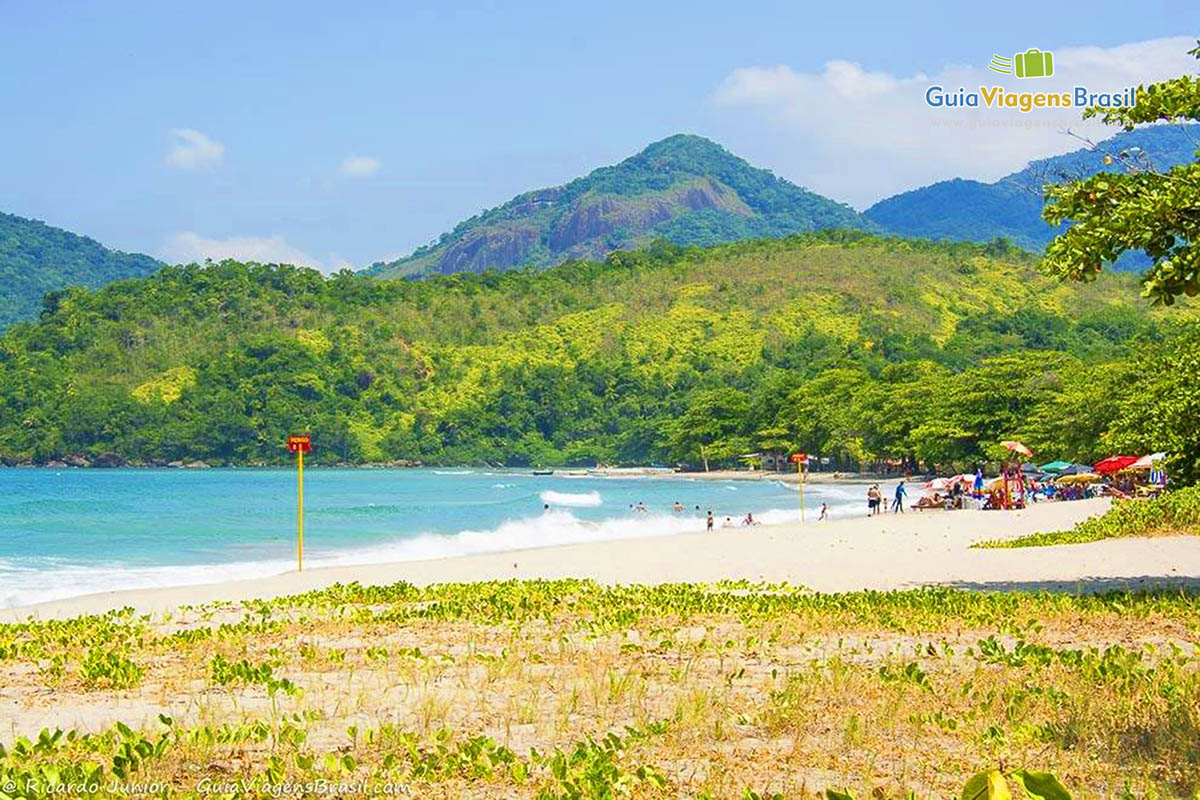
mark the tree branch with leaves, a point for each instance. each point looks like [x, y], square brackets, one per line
[1156, 212]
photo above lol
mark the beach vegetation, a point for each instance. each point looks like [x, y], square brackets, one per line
[572, 689]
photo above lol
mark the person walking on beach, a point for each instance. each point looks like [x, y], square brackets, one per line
[824, 512]
[873, 500]
[898, 503]
[708, 523]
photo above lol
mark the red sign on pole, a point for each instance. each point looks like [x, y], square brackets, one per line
[799, 458]
[300, 443]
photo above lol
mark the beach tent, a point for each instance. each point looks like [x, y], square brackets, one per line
[1113, 464]
[1147, 462]
[947, 484]
[1055, 466]
[1075, 469]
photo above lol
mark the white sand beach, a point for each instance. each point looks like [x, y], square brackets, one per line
[885, 552]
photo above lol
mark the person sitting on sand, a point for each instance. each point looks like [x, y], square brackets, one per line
[929, 502]
[749, 520]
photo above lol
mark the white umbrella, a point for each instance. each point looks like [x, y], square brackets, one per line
[1146, 462]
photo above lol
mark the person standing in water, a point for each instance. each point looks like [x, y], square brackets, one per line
[708, 523]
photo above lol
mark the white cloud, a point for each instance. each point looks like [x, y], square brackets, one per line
[359, 166]
[186, 247]
[858, 135]
[191, 149]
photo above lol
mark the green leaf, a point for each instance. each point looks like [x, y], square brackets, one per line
[1041, 785]
[976, 788]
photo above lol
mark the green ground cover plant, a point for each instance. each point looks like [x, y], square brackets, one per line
[571, 689]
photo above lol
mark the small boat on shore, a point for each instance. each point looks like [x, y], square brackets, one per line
[543, 472]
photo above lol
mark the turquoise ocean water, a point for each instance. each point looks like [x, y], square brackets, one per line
[77, 531]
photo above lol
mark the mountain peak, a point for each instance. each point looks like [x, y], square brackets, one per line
[685, 145]
[684, 188]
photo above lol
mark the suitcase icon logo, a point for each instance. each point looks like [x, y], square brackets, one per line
[1033, 63]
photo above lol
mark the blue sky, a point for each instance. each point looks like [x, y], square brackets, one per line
[349, 134]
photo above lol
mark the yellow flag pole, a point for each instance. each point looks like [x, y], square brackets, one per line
[800, 475]
[300, 509]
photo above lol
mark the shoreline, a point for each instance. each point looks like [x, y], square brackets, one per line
[558, 472]
[882, 553]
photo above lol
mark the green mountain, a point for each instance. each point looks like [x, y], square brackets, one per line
[36, 258]
[840, 342]
[966, 210]
[686, 189]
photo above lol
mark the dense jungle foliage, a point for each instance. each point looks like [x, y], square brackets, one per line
[36, 258]
[842, 344]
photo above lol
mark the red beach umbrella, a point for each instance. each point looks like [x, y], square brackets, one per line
[1113, 464]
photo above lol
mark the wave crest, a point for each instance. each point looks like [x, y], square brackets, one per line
[580, 500]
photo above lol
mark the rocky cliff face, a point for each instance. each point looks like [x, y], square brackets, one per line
[500, 247]
[602, 215]
[685, 188]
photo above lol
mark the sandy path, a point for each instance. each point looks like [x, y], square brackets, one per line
[885, 552]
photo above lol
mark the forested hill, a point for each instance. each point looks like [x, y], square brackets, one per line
[840, 343]
[36, 258]
[685, 188]
[966, 210]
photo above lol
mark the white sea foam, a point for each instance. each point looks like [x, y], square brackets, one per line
[25, 581]
[30, 584]
[580, 500]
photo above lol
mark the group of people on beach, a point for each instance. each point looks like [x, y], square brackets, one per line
[875, 501]
[710, 521]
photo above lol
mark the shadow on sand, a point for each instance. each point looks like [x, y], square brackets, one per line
[1155, 584]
